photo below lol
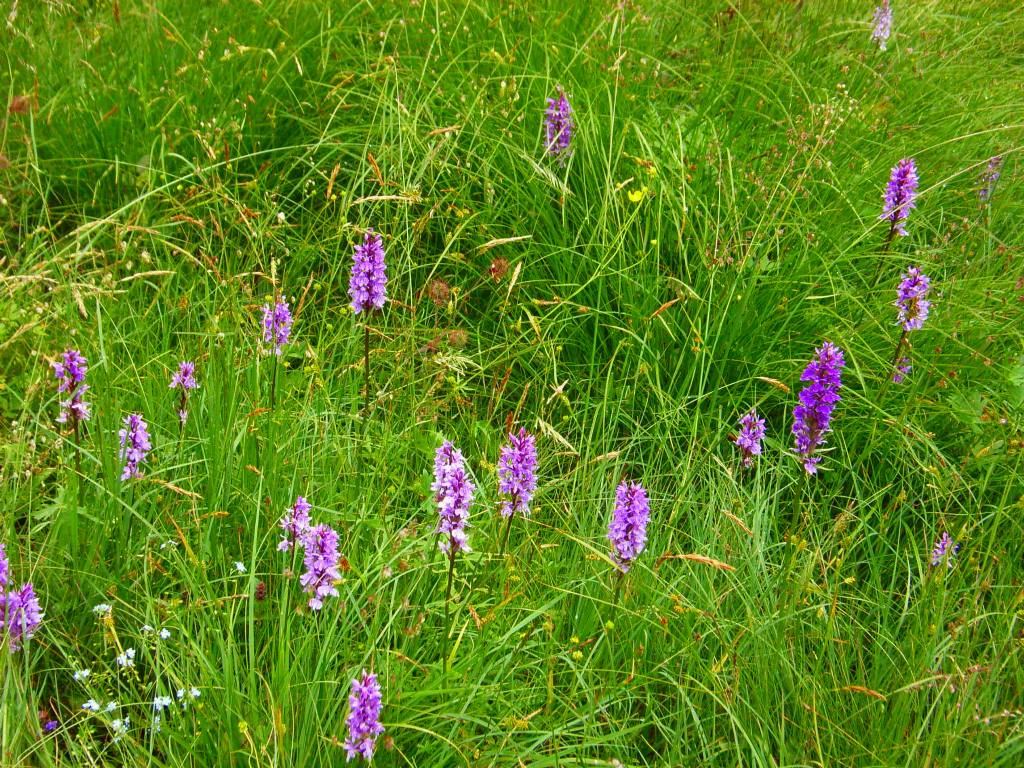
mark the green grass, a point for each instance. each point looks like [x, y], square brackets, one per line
[142, 176]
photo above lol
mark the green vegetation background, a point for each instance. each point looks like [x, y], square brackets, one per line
[165, 167]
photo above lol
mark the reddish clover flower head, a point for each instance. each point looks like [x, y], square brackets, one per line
[135, 445]
[453, 492]
[900, 194]
[989, 178]
[277, 325]
[558, 126]
[70, 371]
[368, 283]
[517, 466]
[184, 378]
[321, 561]
[751, 434]
[812, 417]
[20, 615]
[628, 528]
[912, 299]
[883, 25]
[945, 550]
[295, 525]
[364, 706]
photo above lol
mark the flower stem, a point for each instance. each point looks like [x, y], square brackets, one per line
[508, 531]
[447, 601]
[366, 367]
[893, 363]
[885, 250]
[273, 384]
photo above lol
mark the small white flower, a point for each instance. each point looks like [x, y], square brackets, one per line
[240, 566]
[91, 706]
[111, 706]
[160, 703]
[146, 629]
[280, 217]
[156, 724]
[126, 659]
[181, 694]
[81, 674]
[101, 608]
[165, 633]
[169, 543]
[194, 693]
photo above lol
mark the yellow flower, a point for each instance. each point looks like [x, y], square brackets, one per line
[636, 195]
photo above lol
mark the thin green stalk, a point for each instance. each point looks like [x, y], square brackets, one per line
[366, 368]
[447, 599]
[508, 531]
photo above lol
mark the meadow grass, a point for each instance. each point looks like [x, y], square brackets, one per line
[168, 168]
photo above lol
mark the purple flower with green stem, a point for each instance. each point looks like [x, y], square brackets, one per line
[184, 379]
[812, 418]
[70, 371]
[912, 306]
[751, 434]
[295, 525]
[135, 445]
[453, 492]
[368, 282]
[5, 570]
[558, 126]
[277, 330]
[20, 612]
[989, 178]
[517, 479]
[883, 25]
[368, 290]
[20, 615]
[899, 197]
[627, 530]
[364, 707]
[945, 550]
[321, 561]
[277, 325]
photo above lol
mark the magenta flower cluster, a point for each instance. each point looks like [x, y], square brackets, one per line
[184, 379]
[135, 445]
[364, 706]
[912, 299]
[945, 550]
[295, 525]
[368, 283]
[517, 466]
[70, 371]
[277, 325]
[453, 492]
[813, 416]
[20, 612]
[627, 530]
[900, 194]
[751, 434]
[321, 561]
[883, 25]
[989, 178]
[558, 126]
